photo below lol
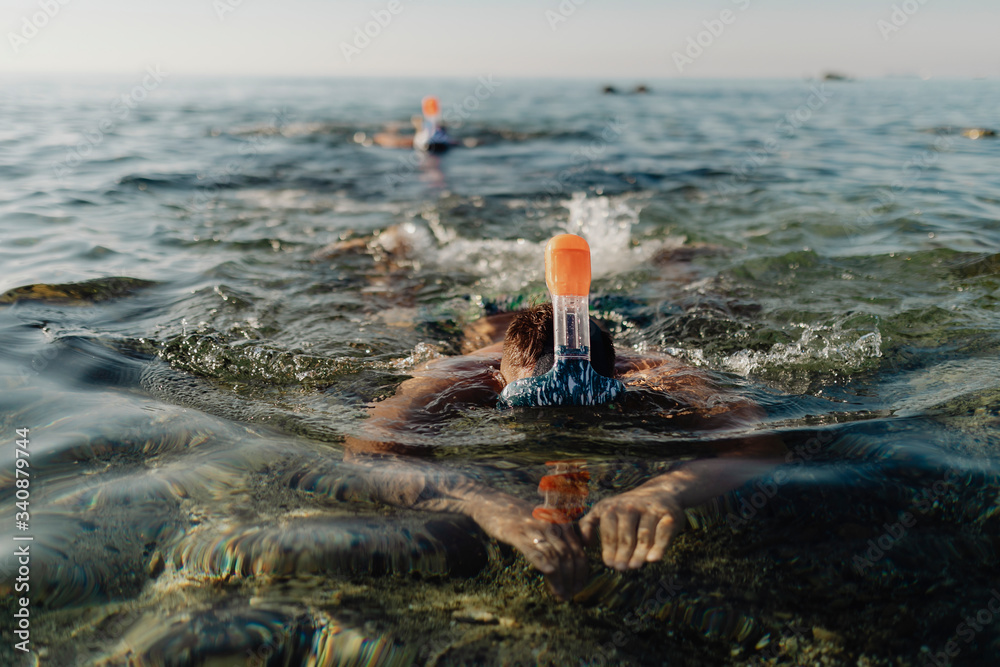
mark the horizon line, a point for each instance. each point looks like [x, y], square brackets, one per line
[846, 77]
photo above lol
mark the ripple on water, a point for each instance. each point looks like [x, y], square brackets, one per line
[75, 561]
[667, 605]
[318, 544]
[242, 633]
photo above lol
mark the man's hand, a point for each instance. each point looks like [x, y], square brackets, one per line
[554, 549]
[635, 526]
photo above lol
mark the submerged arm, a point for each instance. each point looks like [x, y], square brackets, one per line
[637, 526]
[420, 485]
[421, 402]
[408, 482]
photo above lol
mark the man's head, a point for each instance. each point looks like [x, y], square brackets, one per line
[529, 346]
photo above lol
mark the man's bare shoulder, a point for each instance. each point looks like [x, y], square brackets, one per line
[638, 368]
[690, 387]
[478, 360]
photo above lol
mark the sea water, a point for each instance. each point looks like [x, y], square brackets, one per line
[203, 290]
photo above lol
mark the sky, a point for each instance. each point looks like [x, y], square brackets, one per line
[619, 39]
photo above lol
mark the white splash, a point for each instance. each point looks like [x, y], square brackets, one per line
[818, 343]
[607, 225]
[512, 265]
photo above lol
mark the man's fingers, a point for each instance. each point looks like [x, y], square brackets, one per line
[644, 540]
[559, 555]
[609, 537]
[558, 579]
[563, 574]
[665, 530]
[582, 574]
[628, 525]
[581, 568]
[572, 561]
[554, 587]
[540, 554]
[588, 526]
[629, 538]
[553, 565]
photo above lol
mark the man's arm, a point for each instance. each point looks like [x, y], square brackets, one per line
[707, 405]
[434, 391]
[404, 481]
[637, 526]
[421, 485]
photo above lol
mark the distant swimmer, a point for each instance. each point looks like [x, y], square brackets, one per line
[978, 133]
[640, 89]
[968, 132]
[430, 135]
[393, 138]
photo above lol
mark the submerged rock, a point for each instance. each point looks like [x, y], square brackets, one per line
[77, 294]
[241, 633]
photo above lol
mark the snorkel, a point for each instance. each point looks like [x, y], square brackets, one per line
[572, 380]
[431, 137]
[565, 490]
[432, 113]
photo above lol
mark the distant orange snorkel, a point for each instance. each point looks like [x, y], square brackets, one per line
[431, 107]
[431, 137]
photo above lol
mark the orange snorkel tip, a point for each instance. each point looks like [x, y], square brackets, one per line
[431, 107]
[567, 265]
[571, 380]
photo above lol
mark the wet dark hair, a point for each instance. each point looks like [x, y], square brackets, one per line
[530, 342]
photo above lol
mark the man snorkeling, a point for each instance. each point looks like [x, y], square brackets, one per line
[430, 135]
[546, 358]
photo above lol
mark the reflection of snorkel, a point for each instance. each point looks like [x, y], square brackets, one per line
[572, 380]
[431, 137]
[565, 491]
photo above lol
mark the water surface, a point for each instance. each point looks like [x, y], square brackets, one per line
[189, 358]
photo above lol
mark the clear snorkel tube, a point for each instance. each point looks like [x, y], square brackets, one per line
[567, 275]
[432, 114]
[572, 380]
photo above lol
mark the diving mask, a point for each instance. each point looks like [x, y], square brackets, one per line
[572, 380]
